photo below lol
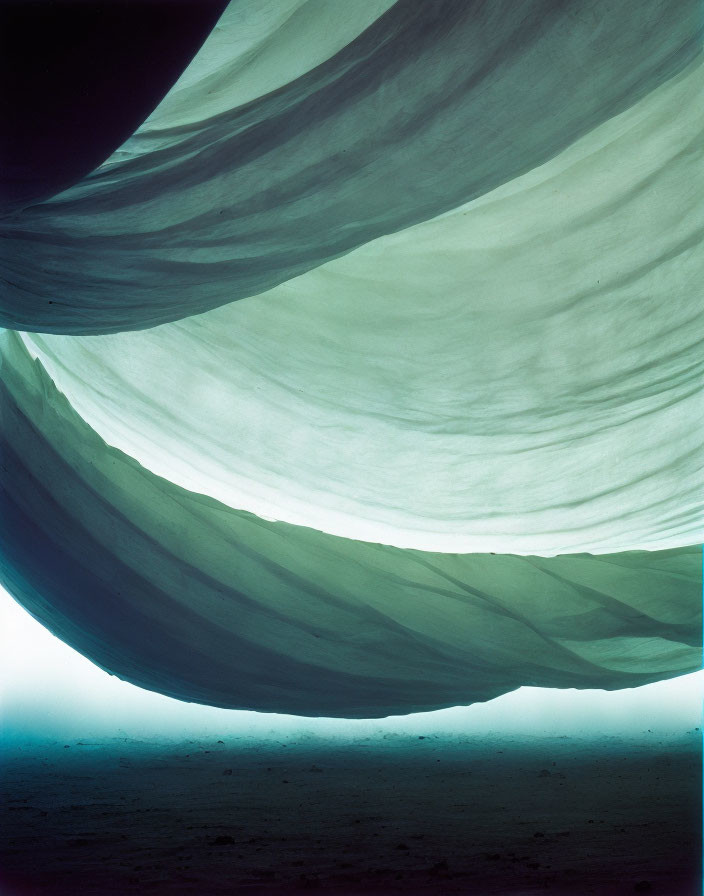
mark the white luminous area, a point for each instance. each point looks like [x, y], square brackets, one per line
[50, 692]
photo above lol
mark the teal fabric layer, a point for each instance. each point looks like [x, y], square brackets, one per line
[523, 374]
[181, 594]
[429, 107]
[450, 443]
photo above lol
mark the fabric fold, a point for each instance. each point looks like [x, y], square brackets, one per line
[521, 375]
[178, 593]
[430, 106]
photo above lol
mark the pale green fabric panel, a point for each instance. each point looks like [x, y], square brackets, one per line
[181, 594]
[521, 375]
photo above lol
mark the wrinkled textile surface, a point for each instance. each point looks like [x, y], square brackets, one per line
[523, 374]
[177, 593]
[430, 106]
[450, 441]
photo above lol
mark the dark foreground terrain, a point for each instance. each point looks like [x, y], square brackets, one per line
[393, 814]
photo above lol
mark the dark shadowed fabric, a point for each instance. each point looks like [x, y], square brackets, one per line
[429, 107]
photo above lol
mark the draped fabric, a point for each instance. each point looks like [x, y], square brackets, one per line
[485, 380]
[450, 441]
[429, 107]
[179, 593]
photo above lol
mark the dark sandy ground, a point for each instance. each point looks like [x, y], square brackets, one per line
[387, 814]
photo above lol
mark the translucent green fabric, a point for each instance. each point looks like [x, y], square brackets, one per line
[450, 442]
[227, 193]
[523, 374]
[178, 593]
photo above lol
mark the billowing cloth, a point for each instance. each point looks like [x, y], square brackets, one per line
[181, 594]
[523, 374]
[430, 106]
[450, 442]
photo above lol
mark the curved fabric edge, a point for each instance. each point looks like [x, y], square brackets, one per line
[75, 84]
[178, 594]
[254, 49]
[523, 374]
[403, 124]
